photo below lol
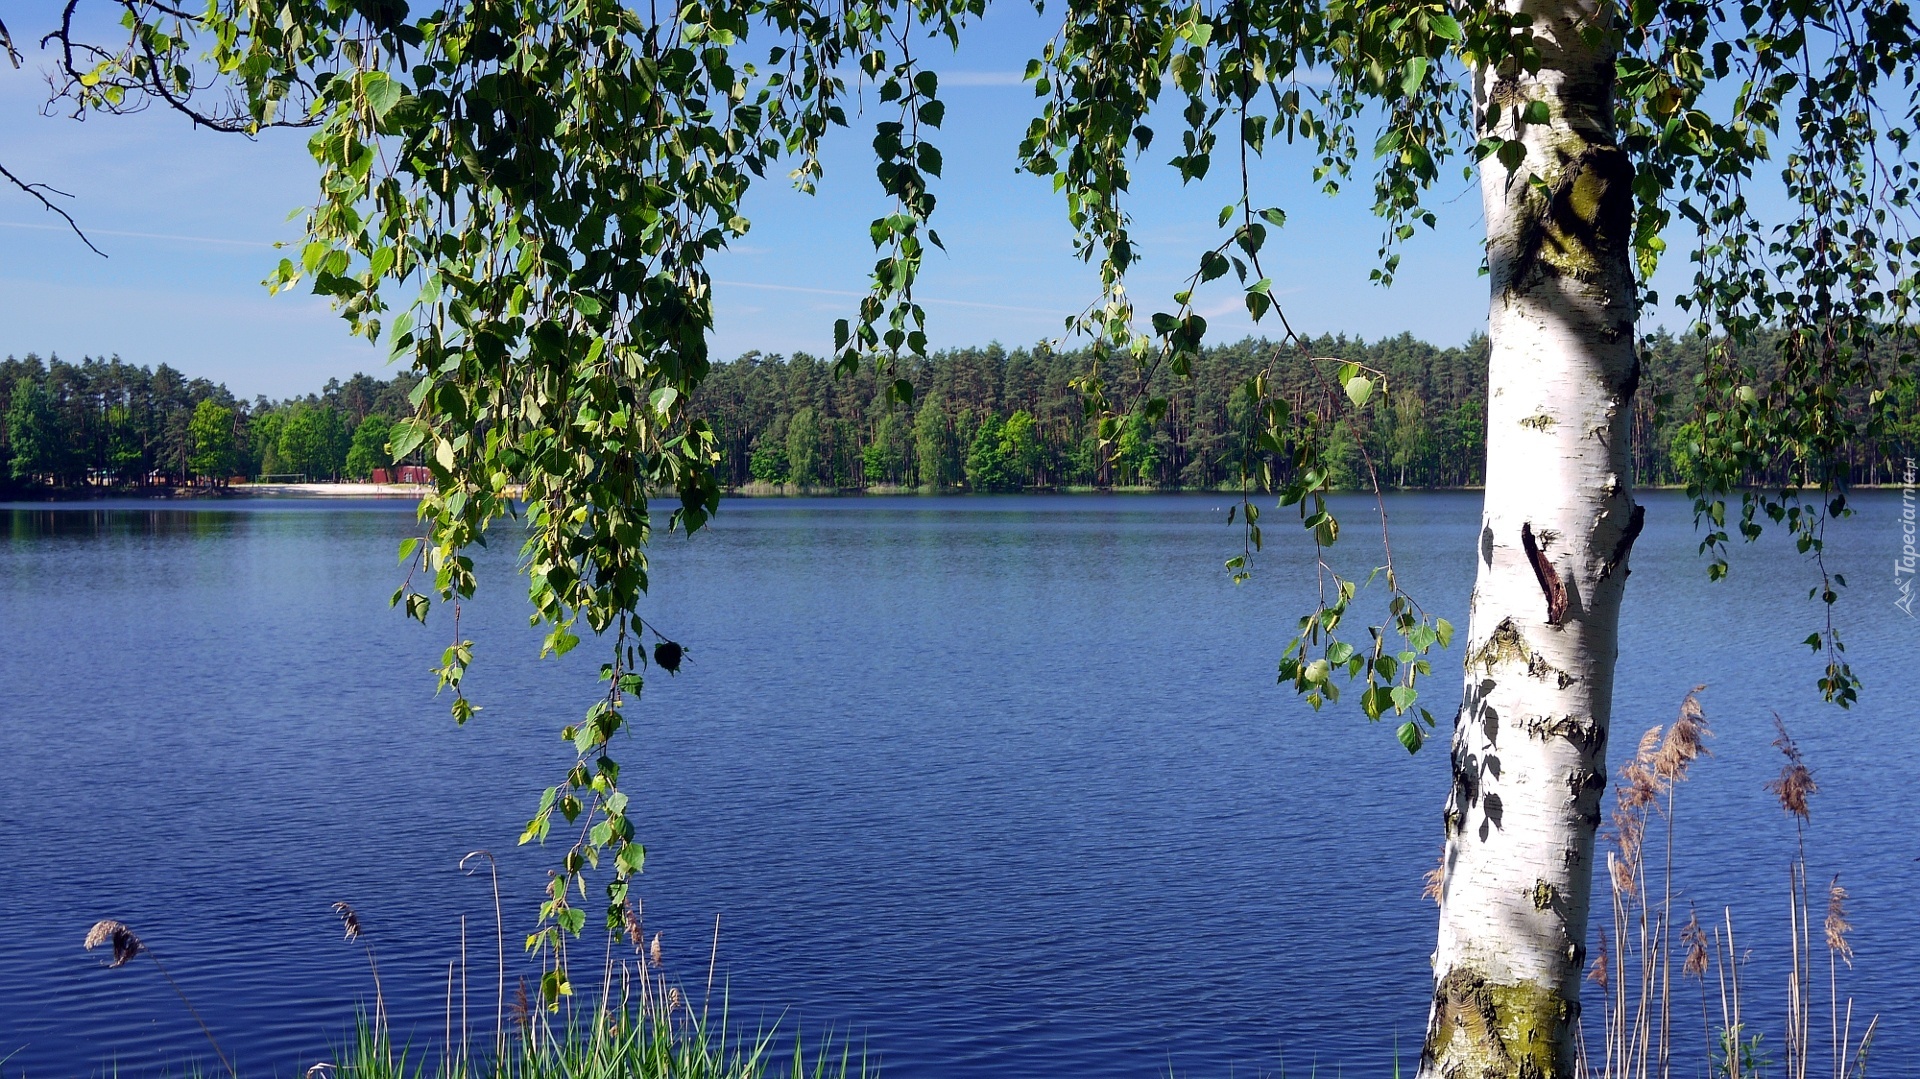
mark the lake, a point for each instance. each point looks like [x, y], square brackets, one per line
[994, 786]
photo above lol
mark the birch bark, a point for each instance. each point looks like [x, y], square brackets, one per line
[1529, 742]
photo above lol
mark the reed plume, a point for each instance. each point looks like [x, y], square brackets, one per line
[125, 944]
[1795, 784]
[350, 925]
[1633, 796]
[1601, 973]
[1685, 741]
[1434, 883]
[1837, 927]
[128, 946]
[349, 920]
[630, 924]
[520, 1012]
[1694, 936]
[1839, 950]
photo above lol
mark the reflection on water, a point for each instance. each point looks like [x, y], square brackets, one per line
[1002, 785]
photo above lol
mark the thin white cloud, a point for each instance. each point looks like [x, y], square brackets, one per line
[981, 78]
[165, 237]
[1238, 305]
[1056, 313]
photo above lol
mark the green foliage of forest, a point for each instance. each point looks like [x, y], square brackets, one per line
[989, 419]
[982, 419]
[106, 423]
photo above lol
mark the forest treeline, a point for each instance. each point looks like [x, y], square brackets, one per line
[982, 419]
[110, 423]
[991, 419]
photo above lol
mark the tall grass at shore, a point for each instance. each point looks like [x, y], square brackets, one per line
[641, 1026]
[622, 1042]
[1634, 968]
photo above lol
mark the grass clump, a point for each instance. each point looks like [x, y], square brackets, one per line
[624, 1042]
[642, 1026]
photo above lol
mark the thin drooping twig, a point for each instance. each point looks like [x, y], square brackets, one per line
[126, 946]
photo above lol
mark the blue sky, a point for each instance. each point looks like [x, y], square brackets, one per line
[189, 219]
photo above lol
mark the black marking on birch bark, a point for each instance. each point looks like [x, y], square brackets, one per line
[1635, 522]
[1587, 210]
[1550, 584]
[1541, 669]
[1585, 781]
[1585, 736]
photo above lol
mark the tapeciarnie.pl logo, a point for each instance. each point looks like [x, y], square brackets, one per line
[1908, 560]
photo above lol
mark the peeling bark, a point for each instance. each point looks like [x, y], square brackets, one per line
[1550, 584]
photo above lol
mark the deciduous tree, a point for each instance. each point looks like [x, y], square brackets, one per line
[211, 431]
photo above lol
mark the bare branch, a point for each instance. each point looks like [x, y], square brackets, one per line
[6, 42]
[39, 191]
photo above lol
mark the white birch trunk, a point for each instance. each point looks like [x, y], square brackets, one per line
[1530, 739]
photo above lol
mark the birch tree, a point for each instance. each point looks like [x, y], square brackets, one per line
[520, 196]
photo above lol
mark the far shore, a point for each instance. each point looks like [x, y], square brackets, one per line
[329, 490]
[756, 490]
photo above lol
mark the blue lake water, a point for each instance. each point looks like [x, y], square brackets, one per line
[998, 786]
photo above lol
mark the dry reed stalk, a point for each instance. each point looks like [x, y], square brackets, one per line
[1635, 967]
[1634, 796]
[350, 924]
[713, 958]
[127, 946]
[446, 1047]
[464, 1043]
[500, 940]
[604, 1018]
[1685, 742]
[1730, 1017]
[1849, 1058]
[1794, 787]
[1694, 937]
